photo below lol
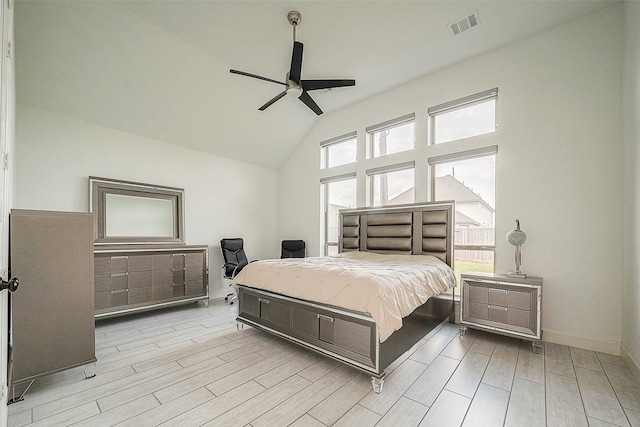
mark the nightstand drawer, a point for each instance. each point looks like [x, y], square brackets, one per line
[521, 318]
[509, 298]
[479, 294]
[478, 310]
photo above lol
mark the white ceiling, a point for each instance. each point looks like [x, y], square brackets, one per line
[160, 69]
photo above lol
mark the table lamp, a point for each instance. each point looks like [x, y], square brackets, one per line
[517, 238]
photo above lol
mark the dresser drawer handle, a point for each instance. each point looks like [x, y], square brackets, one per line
[498, 307]
[502, 291]
[118, 274]
[119, 291]
[120, 257]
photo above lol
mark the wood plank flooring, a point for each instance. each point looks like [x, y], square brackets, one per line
[189, 366]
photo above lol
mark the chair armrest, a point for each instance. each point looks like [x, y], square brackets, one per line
[230, 264]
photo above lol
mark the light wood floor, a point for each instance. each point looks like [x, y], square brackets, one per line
[188, 366]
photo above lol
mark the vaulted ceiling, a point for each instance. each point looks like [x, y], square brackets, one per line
[160, 69]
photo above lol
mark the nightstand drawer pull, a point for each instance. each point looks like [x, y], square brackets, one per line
[503, 291]
[493, 307]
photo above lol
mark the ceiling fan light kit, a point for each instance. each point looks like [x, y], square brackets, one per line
[294, 85]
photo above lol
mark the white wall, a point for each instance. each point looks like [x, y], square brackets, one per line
[559, 165]
[631, 187]
[55, 155]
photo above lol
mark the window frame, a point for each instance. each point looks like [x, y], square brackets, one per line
[325, 194]
[458, 104]
[324, 149]
[386, 169]
[389, 124]
[491, 150]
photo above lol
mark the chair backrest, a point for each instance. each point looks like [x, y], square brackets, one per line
[233, 256]
[293, 249]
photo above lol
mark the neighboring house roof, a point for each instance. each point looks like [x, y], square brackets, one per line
[464, 219]
[449, 188]
[406, 196]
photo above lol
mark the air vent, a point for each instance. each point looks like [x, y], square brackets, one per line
[322, 91]
[463, 24]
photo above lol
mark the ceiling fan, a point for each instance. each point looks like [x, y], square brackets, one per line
[294, 85]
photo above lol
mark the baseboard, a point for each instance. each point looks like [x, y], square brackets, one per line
[603, 346]
[631, 363]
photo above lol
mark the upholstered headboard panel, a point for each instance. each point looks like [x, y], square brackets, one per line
[416, 229]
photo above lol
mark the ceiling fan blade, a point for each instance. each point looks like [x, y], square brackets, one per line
[310, 103]
[325, 84]
[242, 73]
[296, 62]
[272, 100]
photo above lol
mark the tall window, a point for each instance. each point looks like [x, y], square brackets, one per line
[339, 193]
[392, 136]
[465, 117]
[392, 185]
[469, 178]
[339, 151]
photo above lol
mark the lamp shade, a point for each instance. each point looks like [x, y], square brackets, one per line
[517, 237]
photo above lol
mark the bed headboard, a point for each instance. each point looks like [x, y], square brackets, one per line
[415, 229]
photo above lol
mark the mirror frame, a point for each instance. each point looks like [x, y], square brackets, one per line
[100, 187]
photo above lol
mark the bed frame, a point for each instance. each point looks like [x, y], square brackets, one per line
[352, 337]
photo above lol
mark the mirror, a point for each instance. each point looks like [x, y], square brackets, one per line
[129, 212]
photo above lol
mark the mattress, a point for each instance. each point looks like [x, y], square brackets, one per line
[387, 287]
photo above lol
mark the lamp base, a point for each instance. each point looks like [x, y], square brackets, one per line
[518, 274]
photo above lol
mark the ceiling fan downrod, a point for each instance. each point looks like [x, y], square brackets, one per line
[294, 17]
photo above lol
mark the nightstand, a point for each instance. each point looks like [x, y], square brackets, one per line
[506, 305]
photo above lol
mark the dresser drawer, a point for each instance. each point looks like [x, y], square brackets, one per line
[162, 262]
[139, 262]
[194, 288]
[139, 278]
[161, 292]
[110, 264]
[161, 277]
[109, 282]
[140, 295]
[111, 299]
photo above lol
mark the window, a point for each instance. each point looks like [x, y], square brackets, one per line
[465, 117]
[339, 193]
[392, 185]
[469, 178]
[339, 151]
[390, 137]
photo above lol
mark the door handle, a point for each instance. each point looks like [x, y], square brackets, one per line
[11, 285]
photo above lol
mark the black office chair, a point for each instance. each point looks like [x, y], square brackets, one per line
[234, 261]
[293, 249]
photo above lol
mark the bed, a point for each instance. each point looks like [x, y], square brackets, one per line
[371, 303]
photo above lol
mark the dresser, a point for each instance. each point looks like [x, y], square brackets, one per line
[129, 279]
[504, 304]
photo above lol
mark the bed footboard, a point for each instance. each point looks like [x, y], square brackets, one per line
[347, 336]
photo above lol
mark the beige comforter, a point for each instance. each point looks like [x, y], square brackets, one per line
[388, 287]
